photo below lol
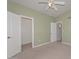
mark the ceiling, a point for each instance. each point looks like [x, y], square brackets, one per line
[33, 4]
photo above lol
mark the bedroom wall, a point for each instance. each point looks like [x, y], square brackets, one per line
[41, 21]
[66, 21]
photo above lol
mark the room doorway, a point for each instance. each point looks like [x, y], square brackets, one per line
[59, 32]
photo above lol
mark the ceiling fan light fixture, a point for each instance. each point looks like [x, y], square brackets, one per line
[50, 4]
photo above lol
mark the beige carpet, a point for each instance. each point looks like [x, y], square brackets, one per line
[50, 51]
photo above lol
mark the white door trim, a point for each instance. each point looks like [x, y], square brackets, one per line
[32, 27]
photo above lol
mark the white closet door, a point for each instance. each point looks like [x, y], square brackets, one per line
[13, 32]
[53, 32]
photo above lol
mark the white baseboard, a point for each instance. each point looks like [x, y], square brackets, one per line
[41, 44]
[26, 43]
[66, 43]
[53, 41]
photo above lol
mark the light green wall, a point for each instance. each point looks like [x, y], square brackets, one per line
[41, 21]
[66, 21]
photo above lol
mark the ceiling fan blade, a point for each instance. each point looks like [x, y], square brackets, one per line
[43, 2]
[59, 3]
[49, 1]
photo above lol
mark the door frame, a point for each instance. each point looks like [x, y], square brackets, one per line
[32, 27]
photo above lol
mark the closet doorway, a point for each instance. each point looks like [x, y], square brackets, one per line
[27, 31]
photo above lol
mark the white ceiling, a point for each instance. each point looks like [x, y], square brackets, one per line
[33, 4]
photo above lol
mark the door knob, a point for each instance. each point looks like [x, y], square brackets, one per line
[8, 37]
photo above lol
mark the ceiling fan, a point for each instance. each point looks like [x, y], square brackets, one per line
[52, 4]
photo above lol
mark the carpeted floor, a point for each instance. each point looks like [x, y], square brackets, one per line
[50, 51]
